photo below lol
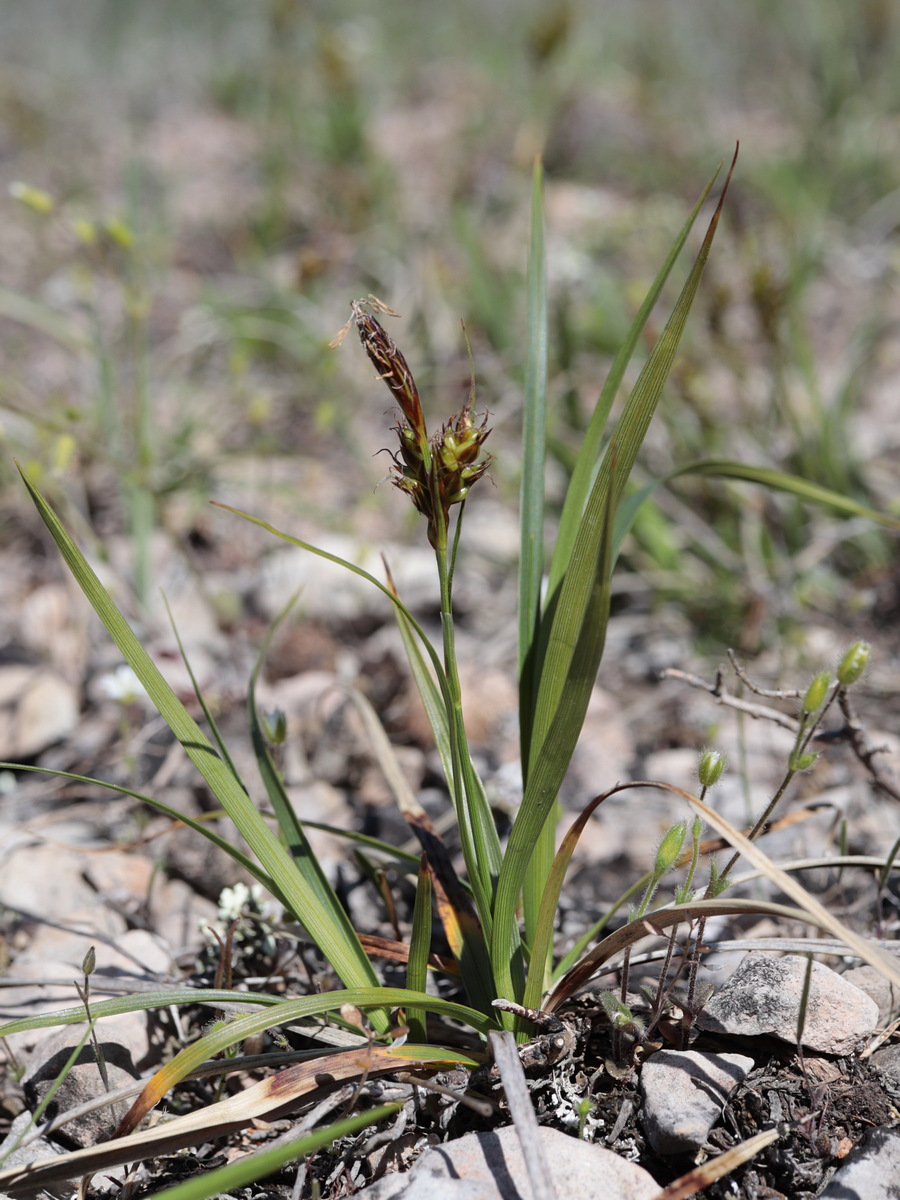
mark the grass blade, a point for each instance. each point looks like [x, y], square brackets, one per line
[251, 1167]
[534, 448]
[585, 465]
[305, 860]
[779, 481]
[542, 946]
[232, 1032]
[343, 951]
[568, 674]
[419, 945]
[199, 826]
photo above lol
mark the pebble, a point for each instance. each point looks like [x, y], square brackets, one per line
[885, 994]
[37, 708]
[684, 1093]
[83, 1082]
[870, 1172]
[489, 1166]
[764, 995]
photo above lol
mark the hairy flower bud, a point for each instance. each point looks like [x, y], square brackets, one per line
[670, 848]
[854, 662]
[817, 692]
[710, 767]
[802, 762]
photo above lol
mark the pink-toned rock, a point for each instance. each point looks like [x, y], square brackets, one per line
[885, 994]
[684, 1093]
[37, 708]
[489, 1166]
[764, 995]
[871, 1171]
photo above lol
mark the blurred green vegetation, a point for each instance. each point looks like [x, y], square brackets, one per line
[225, 177]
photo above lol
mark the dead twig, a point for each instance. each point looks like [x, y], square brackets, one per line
[852, 731]
[865, 750]
[759, 712]
[515, 1086]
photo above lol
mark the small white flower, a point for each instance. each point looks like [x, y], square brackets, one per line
[121, 684]
[232, 901]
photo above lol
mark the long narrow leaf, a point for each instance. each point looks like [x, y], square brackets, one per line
[779, 481]
[201, 700]
[291, 827]
[345, 953]
[542, 945]
[419, 946]
[586, 462]
[431, 695]
[534, 449]
[569, 672]
[229, 1034]
[249, 1168]
[198, 826]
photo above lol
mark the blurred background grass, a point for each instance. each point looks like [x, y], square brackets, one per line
[213, 181]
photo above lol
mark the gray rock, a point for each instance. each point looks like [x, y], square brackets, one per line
[83, 1082]
[870, 1172]
[37, 708]
[489, 1166]
[763, 997]
[885, 994]
[684, 1093]
[40, 1148]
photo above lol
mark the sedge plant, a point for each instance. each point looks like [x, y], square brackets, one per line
[499, 916]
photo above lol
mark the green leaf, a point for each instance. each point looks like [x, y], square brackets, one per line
[586, 462]
[780, 481]
[343, 951]
[251, 1167]
[573, 629]
[569, 671]
[210, 720]
[531, 508]
[141, 1002]
[419, 946]
[369, 999]
[198, 826]
[288, 822]
[432, 696]
[534, 450]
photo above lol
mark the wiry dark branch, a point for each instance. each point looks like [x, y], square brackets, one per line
[759, 712]
[852, 731]
[769, 693]
[864, 749]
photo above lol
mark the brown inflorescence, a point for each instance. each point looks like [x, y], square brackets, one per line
[435, 473]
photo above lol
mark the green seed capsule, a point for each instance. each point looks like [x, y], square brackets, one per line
[710, 767]
[817, 692]
[670, 848]
[802, 762]
[854, 662]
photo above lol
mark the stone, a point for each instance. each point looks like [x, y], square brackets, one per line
[885, 994]
[684, 1092]
[489, 1166]
[15, 1154]
[82, 1082]
[37, 708]
[870, 1172]
[764, 994]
